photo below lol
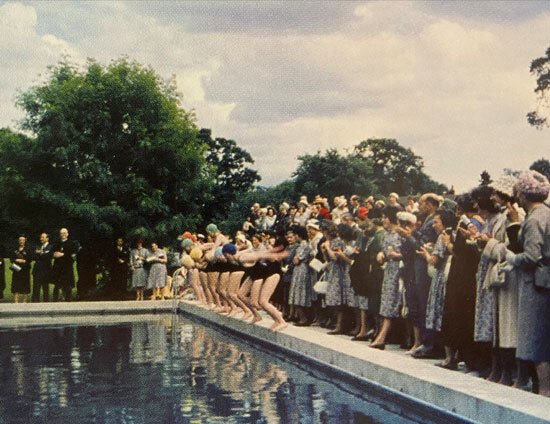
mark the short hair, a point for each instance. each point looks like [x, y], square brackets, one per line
[299, 231]
[482, 196]
[448, 218]
[345, 232]
[329, 228]
[465, 202]
[390, 212]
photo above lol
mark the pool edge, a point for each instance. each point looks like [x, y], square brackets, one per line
[457, 395]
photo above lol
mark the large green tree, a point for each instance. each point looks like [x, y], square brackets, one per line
[232, 176]
[375, 166]
[110, 151]
[540, 68]
[395, 168]
[332, 174]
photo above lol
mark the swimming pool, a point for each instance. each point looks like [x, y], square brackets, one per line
[166, 369]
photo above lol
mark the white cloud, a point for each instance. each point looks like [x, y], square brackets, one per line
[453, 87]
[25, 54]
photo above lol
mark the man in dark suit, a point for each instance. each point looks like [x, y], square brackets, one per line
[42, 271]
[65, 251]
[120, 259]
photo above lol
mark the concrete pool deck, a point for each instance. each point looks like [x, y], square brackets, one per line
[459, 394]
[28, 310]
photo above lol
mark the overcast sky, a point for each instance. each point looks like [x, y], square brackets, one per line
[448, 79]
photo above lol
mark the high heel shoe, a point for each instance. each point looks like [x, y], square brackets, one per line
[380, 346]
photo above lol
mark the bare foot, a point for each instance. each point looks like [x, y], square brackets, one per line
[255, 320]
[247, 316]
[279, 326]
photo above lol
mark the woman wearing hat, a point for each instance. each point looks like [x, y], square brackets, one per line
[191, 256]
[390, 307]
[506, 294]
[229, 266]
[533, 265]
[212, 254]
[262, 279]
[493, 227]
[458, 314]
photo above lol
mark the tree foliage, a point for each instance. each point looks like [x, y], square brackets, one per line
[540, 68]
[231, 176]
[374, 167]
[333, 174]
[543, 166]
[485, 178]
[396, 168]
[111, 151]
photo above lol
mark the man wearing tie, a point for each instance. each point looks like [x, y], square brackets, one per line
[63, 258]
[42, 271]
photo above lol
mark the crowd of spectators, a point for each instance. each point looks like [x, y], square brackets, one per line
[464, 279]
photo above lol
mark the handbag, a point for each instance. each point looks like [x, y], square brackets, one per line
[15, 267]
[321, 285]
[496, 276]
[317, 265]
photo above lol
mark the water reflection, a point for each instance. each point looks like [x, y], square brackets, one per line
[160, 371]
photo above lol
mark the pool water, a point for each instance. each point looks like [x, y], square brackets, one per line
[163, 369]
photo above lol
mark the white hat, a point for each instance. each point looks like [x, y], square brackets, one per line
[406, 217]
[505, 184]
[394, 195]
[313, 223]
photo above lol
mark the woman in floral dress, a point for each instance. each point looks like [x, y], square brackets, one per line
[339, 290]
[390, 306]
[439, 259]
[301, 286]
[139, 273]
[157, 274]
